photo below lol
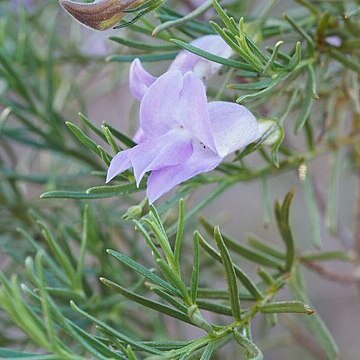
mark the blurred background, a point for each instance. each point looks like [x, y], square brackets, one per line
[52, 68]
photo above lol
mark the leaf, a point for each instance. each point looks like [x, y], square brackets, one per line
[120, 136]
[91, 126]
[262, 246]
[110, 139]
[252, 351]
[179, 233]
[286, 307]
[317, 326]
[210, 348]
[312, 207]
[212, 57]
[331, 217]
[246, 252]
[60, 194]
[132, 264]
[230, 274]
[115, 189]
[182, 21]
[246, 281]
[114, 332]
[15, 355]
[143, 57]
[86, 140]
[307, 101]
[175, 279]
[151, 304]
[60, 255]
[195, 270]
[329, 255]
[282, 219]
[141, 44]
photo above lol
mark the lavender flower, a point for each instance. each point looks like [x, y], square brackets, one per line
[140, 80]
[183, 134]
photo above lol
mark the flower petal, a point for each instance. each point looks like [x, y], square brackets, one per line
[173, 148]
[119, 164]
[203, 68]
[163, 180]
[139, 80]
[139, 136]
[195, 114]
[159, 109]
[232, 125]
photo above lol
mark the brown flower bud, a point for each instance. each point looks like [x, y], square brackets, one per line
[100, 14]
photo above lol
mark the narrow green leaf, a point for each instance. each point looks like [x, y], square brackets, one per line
[130, 263]
[243, 250]
[114, 332]
[331, 217]
[120, 136]
[151, 304]
[205, 293]
[230, 274]
[116, 190]
[258, 85]
[143, 57]
[246, 281]
[169, 298]
[207, 353]
[307, 102]
[196, 267]
[301, 31]
[347, 61]
[212, 57]
[86, 140]
[312, 207]
[175, 279]
[273, 56]
[282, 218]
[262, 246]
[110, 139]
[59, 194]
[286, 307]
[91, 126]
[328, 256]
[60, 255]
[252, 351]
[179, 233]
[225, 18]
[214, 307]
[183, 20]
[141, 44]
[317, 326]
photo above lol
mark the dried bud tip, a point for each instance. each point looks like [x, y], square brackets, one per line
[100, 14]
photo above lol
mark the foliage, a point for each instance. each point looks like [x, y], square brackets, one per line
[79, 275]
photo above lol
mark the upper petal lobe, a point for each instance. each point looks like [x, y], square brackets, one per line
[139, 80]
[232, 125]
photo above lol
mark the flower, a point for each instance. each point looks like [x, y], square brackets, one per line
[184, 135]
[100, 14]
[140, 80]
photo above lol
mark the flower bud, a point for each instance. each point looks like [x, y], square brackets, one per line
[100, 14]
[133, 212]
[270, 129]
